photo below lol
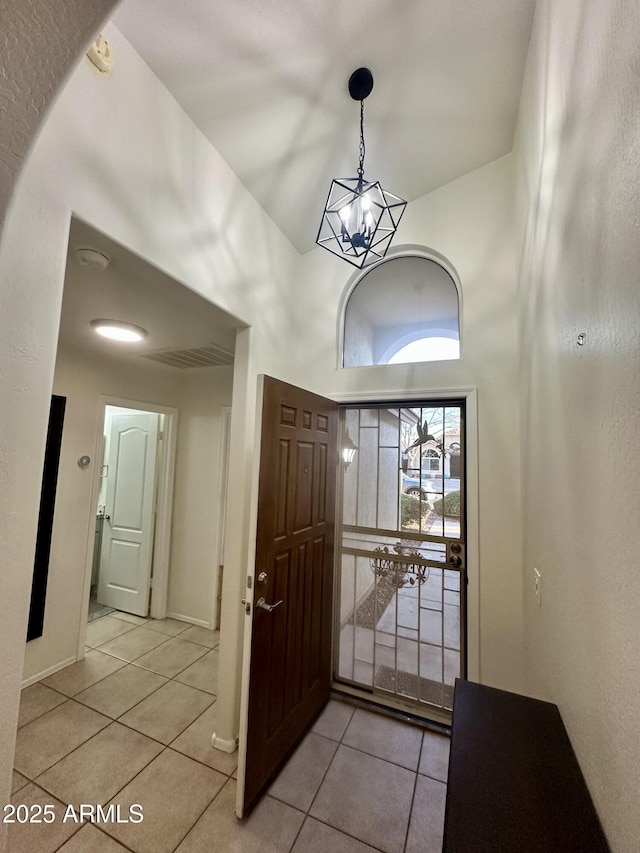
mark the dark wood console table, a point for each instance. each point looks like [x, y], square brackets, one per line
[514, 781]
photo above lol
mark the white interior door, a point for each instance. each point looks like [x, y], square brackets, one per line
[127, 539]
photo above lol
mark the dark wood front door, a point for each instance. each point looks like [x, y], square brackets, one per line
[290, 668]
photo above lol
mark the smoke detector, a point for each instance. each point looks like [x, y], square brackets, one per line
[92, 258]
[100, 56]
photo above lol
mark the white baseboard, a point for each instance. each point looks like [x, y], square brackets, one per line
[201, 623]
[49, 671]
[224, 745]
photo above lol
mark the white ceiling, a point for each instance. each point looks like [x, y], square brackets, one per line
[133, 291]
[266, 82]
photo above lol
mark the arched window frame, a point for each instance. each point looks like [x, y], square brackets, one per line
[410, 251]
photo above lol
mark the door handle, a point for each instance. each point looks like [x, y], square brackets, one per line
[262, 604]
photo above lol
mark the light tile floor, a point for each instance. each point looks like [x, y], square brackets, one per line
[132, 723]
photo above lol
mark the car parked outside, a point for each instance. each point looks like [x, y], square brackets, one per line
[429, 485]
[413, 486]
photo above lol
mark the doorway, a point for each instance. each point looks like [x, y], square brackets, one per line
[133, 497]
[401, 554]
[125, 517]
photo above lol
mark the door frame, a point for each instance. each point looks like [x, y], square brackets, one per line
[470, 397]
[218, 576]
[164, 510]
[246, 585]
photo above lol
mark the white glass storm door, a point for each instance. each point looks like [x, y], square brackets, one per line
[400, 619]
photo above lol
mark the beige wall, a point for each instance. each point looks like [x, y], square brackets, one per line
[578, 150]
[470, 222]
[195, 534]
[196, 541]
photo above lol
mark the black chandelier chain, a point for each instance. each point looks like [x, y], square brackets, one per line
[362, 146]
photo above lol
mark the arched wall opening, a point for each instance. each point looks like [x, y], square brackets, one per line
[405, 309]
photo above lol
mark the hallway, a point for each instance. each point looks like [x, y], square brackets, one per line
[131, 724]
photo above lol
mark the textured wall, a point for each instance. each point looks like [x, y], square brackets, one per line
[578, 163]
[40, 41]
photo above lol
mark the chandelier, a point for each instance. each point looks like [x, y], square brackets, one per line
[359, 218]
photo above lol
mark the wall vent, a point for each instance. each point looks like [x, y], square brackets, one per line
[209, 356]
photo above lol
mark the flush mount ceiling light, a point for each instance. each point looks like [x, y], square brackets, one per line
[360, 218]
[117, 331]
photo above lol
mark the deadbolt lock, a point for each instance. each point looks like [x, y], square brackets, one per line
[262, 577]
[455, 555]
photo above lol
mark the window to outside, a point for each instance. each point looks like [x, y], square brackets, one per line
[427, 349]
[403, 310]
[432, 461]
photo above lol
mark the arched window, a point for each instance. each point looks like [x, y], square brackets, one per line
[432, 460]
[403, 310]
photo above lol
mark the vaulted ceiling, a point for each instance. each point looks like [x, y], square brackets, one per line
[266, 82]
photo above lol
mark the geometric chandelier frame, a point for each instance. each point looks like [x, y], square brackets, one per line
[360, 217]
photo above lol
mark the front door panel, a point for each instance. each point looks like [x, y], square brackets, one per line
[290, 668]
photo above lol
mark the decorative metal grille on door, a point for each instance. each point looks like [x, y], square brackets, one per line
[401, 553]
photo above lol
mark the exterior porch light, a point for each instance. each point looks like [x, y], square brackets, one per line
[348, 450]
[359, 218]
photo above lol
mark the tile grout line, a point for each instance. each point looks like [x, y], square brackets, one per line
[363, 752]
[345, 832]
[71, 751]
[118, 719]
[65, 699]
[129, 663]
[164, 746]
[197, 820]
[413, 796]
[307, 812]
[324, 776]
[112, 720]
